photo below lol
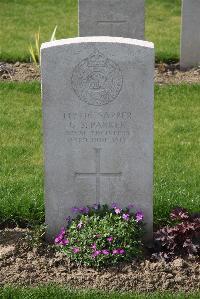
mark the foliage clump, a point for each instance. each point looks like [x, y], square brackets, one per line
[101, 235]
[181, 238]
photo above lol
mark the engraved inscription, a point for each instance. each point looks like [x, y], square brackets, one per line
[97, 80]
[98, 127]
[98, 174]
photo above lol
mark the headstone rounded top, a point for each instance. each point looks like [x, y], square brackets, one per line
[98, 39]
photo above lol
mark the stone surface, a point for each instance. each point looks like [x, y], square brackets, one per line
[98, 125]
[112, 18]
[190, 36]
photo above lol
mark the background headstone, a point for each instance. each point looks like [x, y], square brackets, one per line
[112, 18]
[190, 36]
[98, 125]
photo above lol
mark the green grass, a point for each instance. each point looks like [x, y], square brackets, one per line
[20, 19]
[176, 152]
[163, 21]
[55, 292]
[177, 143]
[21, 172]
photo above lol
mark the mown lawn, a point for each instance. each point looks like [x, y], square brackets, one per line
[21, 171]
[20, 19]
[163, 23]
[55, 292]
[177, 143]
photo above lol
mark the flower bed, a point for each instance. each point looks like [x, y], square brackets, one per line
[102, 235]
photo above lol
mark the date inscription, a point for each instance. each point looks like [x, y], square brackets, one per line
[99, 127]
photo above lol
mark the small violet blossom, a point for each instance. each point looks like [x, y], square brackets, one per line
[84, 210]
[105, 251]
[118, 210]
[110, 239]
[118, 251]
[126, 217]
[94, 246]
[80, 224]
[115, 205]
[76, 250]
[64, 242]
[96, 253]
[60, 236]
[75, 210]
[121, 251]
[139, 216]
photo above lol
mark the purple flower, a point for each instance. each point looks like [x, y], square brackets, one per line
[115, 251]
[87, 210]
[64, 242]
[118, 251]
[58, 239]
[81, 209]
[110, 239]
[139, 216]
[84, 210]
[75, 210]
[80, 224]
[121, 251]
[62, 231]
[105, 251]
[126, 217]
[96, 253]
[115, 205]
[94, 246]
[118, 210]
[60, 236]
[76, 250]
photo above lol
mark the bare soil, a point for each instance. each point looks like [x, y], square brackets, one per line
[164, 73]
[21, 265]
[19, 72]
[171, 74]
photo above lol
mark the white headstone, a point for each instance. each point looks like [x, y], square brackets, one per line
[190, 36]
[112, 18]
[98, 125]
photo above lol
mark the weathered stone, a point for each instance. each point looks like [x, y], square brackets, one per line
[190, 36]
[98, 125]
[112, 18]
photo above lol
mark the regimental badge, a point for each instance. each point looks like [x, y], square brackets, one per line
[97, 80]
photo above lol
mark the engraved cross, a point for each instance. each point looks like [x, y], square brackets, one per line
[98, 174]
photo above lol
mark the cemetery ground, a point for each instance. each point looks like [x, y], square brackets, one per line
[176, 164]
[176, 183]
